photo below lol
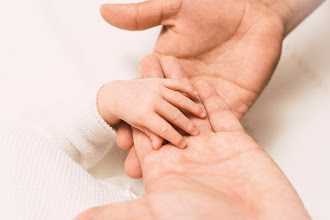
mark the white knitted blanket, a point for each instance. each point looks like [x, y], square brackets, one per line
[56, 170]
[57, 156]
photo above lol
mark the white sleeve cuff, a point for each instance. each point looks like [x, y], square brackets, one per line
[89, 135]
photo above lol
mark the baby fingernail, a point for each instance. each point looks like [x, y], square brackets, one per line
[183, 143]
[203, 113]
[155, 146]
[196, 131]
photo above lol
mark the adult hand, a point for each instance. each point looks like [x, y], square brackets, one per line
[222, 174]
[233, 45]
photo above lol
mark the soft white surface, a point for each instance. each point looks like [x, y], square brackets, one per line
[51, 50]
[45, 168]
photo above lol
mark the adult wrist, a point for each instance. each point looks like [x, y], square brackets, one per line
[292, 12]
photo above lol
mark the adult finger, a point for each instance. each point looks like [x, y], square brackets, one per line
[124, 136]
[222, 119]
[156, 141]
[120, 211]
[150, 67]
[143, 145]
[132, 165]
[140, 16]
[172, 68]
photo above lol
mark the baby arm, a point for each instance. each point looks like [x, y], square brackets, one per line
[151, 105]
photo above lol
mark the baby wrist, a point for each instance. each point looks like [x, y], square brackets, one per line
[105, 104]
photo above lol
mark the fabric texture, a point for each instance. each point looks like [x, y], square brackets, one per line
[56, 170]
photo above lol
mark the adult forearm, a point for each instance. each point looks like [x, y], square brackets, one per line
[293, 12]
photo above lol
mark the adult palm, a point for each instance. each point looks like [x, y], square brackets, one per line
[222, 174]
[233, 45]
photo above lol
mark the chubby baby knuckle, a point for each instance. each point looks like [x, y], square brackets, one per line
[175, 115]
[140, 116]
[157, 103]
[181, 99]
[157, 86]
[159, 83]
[164, 130]
[150, 98]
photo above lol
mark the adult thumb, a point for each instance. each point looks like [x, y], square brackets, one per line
[140, 16]
[119, 211]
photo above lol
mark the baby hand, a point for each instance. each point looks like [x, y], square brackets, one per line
[151, 105]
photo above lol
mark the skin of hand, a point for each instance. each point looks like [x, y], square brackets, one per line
[151, 67]
[222, 174]
[150, 105]
[233, 45]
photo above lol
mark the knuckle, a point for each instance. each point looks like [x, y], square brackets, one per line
[155, 83]
[152, 96]
[159, 87]
[175, 115]
[175, 82]
[140, 116]
[148, 133]
[164, 130]
[181, 99]
[157, 102]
